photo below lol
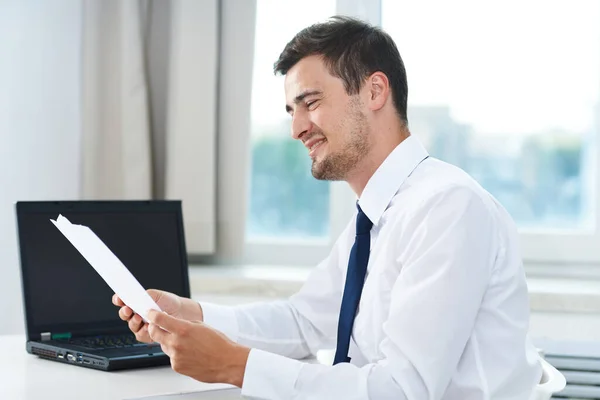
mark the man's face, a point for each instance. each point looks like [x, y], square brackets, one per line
[330, 123]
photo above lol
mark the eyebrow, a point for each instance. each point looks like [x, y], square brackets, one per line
[301, 97]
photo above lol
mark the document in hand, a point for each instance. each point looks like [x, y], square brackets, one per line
[110, 268]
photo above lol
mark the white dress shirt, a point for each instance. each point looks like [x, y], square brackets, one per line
[444, 310]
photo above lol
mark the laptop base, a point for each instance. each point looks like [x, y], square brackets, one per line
[149, 358]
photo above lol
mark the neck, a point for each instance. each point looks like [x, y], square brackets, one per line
[381, 149]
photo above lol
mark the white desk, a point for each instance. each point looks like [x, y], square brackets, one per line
[25, 376]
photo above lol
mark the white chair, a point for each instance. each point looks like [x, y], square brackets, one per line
[552, 381]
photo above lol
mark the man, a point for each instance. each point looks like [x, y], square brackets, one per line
[423, 295]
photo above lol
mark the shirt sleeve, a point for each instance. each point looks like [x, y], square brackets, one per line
[295, 328]
[446, 263]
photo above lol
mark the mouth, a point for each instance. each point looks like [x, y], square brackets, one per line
[315, 146]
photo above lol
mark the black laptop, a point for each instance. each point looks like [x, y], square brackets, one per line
[68, 310]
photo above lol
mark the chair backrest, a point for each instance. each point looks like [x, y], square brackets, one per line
[552, 381]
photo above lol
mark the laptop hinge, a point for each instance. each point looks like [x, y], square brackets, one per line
[46, 336]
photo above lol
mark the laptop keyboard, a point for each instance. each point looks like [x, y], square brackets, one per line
[108, 342]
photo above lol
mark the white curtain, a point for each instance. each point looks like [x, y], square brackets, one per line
[149, 90]
[116, 134]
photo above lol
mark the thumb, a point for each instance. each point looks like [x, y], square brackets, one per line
[165, 321]
[155, 294]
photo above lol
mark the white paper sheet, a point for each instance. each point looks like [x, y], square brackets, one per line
[108, 266]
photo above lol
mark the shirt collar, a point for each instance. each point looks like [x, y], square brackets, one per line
[390, 175]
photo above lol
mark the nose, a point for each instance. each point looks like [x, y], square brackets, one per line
[300, 124]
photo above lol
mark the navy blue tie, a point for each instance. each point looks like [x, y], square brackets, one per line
[355, 278]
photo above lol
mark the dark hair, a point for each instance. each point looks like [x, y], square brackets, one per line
[352, 51]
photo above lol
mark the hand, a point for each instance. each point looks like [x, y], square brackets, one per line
[170, 303]
[197, 350]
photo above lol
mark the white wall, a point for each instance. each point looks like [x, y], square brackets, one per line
[39, 123]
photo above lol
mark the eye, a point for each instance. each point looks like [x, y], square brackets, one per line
[311, 105]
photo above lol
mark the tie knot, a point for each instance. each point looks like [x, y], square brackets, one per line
[363, 223]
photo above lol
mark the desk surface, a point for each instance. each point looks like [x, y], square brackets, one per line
[25, 376]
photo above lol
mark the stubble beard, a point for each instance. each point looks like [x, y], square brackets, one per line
[337, 166]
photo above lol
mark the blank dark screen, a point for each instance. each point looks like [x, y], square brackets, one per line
[63, 288]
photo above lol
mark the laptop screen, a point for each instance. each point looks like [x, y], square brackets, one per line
[63, 293]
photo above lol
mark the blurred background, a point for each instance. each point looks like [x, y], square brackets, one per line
[149, 99]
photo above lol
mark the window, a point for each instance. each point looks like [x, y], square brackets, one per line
[509, 91]
[286, 202]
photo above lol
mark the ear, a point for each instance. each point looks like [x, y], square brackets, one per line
[378, 90]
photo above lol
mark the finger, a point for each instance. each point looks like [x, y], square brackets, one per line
[166, 349]
[117, 301]
[165, 321]
[142, 335]
[158, 334]
[125, 313]
[135, 323]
